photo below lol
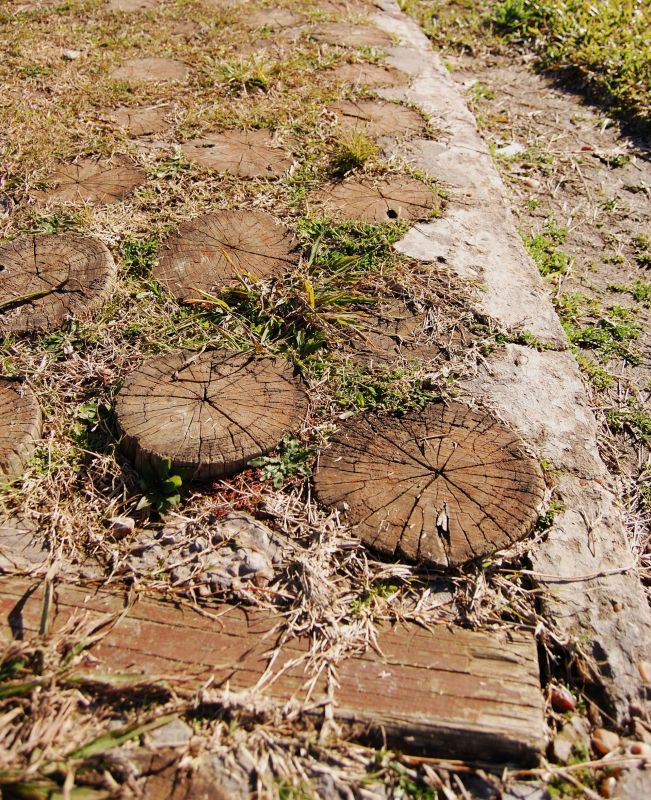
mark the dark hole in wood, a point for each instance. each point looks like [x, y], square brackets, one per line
[392, 214]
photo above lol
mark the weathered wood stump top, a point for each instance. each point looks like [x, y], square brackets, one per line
[20, 546]
[132, 5]
[92, 181]
[209, 253]
[371, 75]
[45, 279]
[247, 154]
[20, 427]
[378, 118]
[208, 413]
[151, 70]
[273, 19]
[344, 35]
[442, 486]
[141, 121]
[378, 201]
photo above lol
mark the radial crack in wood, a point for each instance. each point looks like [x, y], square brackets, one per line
[372, 75]
[344, 35]
[46, 279]
[152, 69]
[209, 253]
[441, 486]
[20, 427]
[378, 201]
[141, 121]
[207, 413]
[247, 154]
[92, 181]
[378, 118]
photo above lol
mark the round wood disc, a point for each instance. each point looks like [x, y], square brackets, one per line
[20, 427]
[20, 547]
[141, 121]
[151, 69]
[247, 154]
[378, 118]
[132, 5]
[45, 279]
[274, 19]
[208, 413]
[371, 75]
[443, 486]
[208, 253]
[92, 181]
[344, 35]
[378, 201]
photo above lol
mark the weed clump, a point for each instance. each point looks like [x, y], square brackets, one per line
[352, 151]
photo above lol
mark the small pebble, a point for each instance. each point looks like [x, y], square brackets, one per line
[71, 55]
[604, 741]
[510, 150]
[607, 787]
[641, 749]
[644, 668]
[562, 699]
[122, 526]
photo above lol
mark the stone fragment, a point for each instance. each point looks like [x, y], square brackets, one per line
[175, 734]
[604, 741]
[562, 699]
[121, 526]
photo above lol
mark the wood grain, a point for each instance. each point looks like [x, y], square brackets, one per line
[45, 279]
[92, 181]
[20, 427]
[443, 486]
[378, 118]
[447, 692]
[247, 154]
[208, 413]
[343, 34]
[377, 201]
[211, 252]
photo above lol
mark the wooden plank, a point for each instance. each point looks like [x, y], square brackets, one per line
[447, 692]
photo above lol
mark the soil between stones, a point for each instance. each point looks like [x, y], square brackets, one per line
[92, 181]
[20, 427]
[208, 413]
[48, 278]
[443, 486]
[208, 254]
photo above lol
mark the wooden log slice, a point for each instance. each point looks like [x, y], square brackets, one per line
[378, 118]
[153, 69]
[45, 279]
[342, 6]
[372, 75]
[92, 181]
[344, 35]
[20, 427]
[273, 19]
[141, 121]
[378, 201]
[209, 413]
[20, 546]
[132, 5]
[389, 334]
[442, 486]
[208, 253]
[247, 154]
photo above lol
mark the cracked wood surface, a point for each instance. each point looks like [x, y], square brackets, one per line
[247, 154]
[342, 34]
[443, 485]
[209, 413]
[372, 75]
[378, 118]
[92, 181]
[210, 252]
[20, 427]
[455, 693]
[44, 279]
[141, 121]
[151, 70]
[378, 201]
